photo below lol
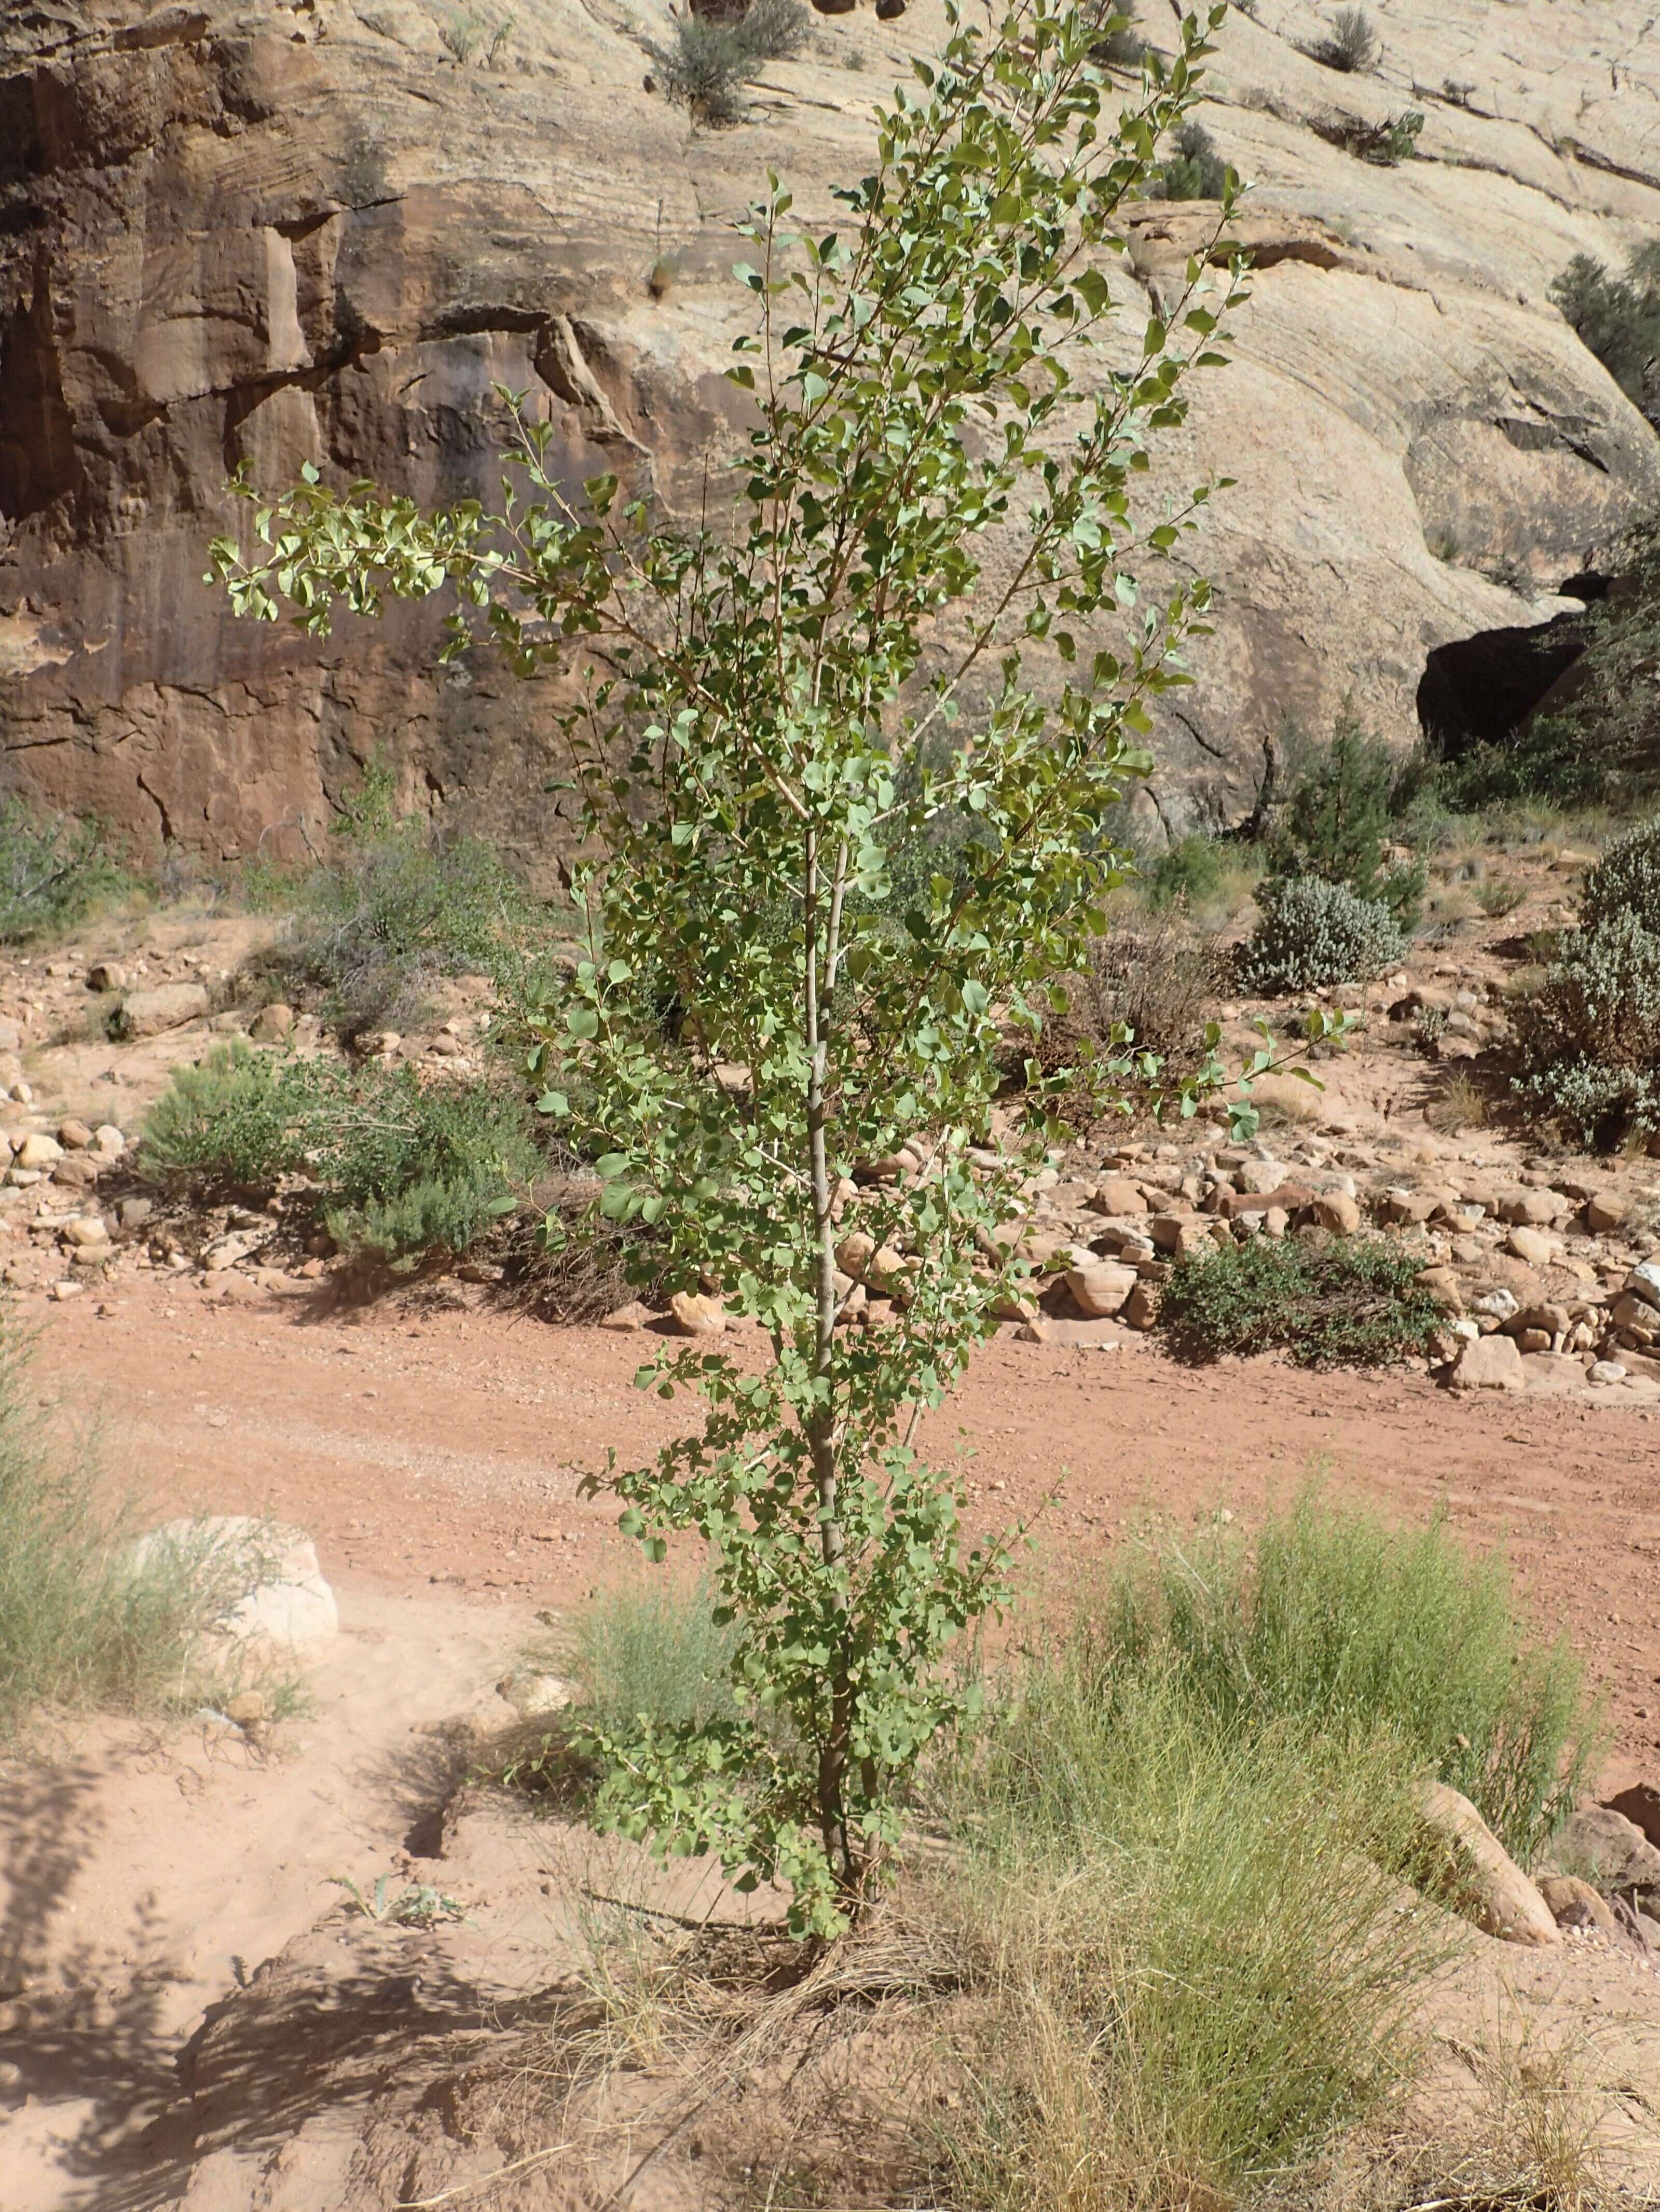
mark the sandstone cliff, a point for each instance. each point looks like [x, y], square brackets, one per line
[313, 229]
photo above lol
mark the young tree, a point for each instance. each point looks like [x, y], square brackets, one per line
[761, 1021]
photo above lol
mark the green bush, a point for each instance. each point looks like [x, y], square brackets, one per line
[1187, 1966]
[709, 60]
[1349, 1301]
[1626, 880]
[399, 1167]
[53, 871]
[1588, 1038]
[1330, 1619]
[84, 1623]
[1196, 171]
[1313, 933]
[1343, 808]
[1353, 43]
[1619, 319]
[391, 912]
[1120, 45]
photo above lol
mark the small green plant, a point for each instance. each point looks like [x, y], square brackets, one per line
[460, 37]
[1196, 171]
[53, 871]
[1353, 43]
[1328, 1617]
[1429, 1026]
[1350, 1302]
[501, 37]
[1442, 545]
[1117, 44]
[417, 1904]
[90, 1616]
[1497, 896]
[398, 1168]
[710, 61]
[1388, 144]
[1313, 933]
[1619, 319]
[1340, 815]
[1588, 1038]
[1457, 90]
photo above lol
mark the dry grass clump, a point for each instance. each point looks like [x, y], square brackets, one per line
[1158, 981]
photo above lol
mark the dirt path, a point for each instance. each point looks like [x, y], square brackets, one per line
[445, 1446]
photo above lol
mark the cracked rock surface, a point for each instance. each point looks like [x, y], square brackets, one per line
[282, 232]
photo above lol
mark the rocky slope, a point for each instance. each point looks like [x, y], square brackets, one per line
[307, 228]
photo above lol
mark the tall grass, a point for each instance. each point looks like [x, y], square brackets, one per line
[1332, 1619]
[647, 1645]
[1191, 1968]
[82, 1624]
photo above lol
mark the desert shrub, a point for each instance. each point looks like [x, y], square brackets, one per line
[1312, 933]
[709, 61]
[1545, 759]
[1350, 1302]
[1121, 46]
[83, 1623]
[393, 910]
[1386, 144]
[398, 1167]
[1626, 880]
[1329, 1617]
[1194, 171]
[1588, 1038]
[1342, 810]
[54, 870]
[1352, 43]
[1158, 981]
[1191, 1968]
[1497, 896]
[1619, 319]
[1188, 871]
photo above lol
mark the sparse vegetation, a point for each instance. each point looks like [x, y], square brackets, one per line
[86, 1622]
[1313, 933]
[1158, 982]
[1196, 171]
[1386, 144]
[1340, 818]
[393, 909]
[1619, 319]
[1118, 44]
[54, 870]
[1346, 1301]
[710, 61]
[1497, 896]
[1327, 1617]
[1626, 880]
[1352, 45]
[395, 1167]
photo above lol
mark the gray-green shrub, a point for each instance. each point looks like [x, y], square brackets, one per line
[1619, 319]
[1626, 880]
[1350, 1302]
[1588, 1039]
[1352, 43]
[709, 61]
[1311, 933]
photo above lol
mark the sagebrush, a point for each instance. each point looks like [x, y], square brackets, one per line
[1311, 933]
[54, 870]
[1343, 1302]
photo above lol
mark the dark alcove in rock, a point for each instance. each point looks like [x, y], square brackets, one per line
[1480, 690]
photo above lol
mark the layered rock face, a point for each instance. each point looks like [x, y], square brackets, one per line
[329, 229]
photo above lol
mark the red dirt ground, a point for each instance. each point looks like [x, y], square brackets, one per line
[440, 1444]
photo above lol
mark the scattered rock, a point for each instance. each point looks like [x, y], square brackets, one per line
[694, 1314]
[1575, 1903]
[633, 1315]
[62, 1290]
[225, 1251]
[1640, 1805]
[76, 1172]
[1141, 1307]
[1537, 1247]
[1117, 1195]
[532, 1693]
[1336, 1211]
[108, 1139]
[85, 1229]
[38, 1151]
[1489, 1363]
[272, 1024]
[247, 1708]
[169, 1007]
[1606, 1210]
[1614, 1851]
[134, 1212]
[1643, 1281]
[1605, 1371]
[1099, 1291]
[107, 975]
[1492, 1889]
[11, 1037]
[73, 1136]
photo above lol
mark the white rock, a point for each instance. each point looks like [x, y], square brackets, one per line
[1501, 1304]
[1642, 1282]
[1605, 1371]
[532, 1693]
[283, 1601]
[39, 1151]
[108, 1139]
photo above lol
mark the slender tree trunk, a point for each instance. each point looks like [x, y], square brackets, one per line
[821, 1426]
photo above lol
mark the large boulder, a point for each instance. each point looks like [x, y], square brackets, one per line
[169, 1007]
[230, 232]
[274, 1599]
[1612, 1853]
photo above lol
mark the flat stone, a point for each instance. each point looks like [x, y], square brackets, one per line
[694, 1314]
[1099, 1291]
[149, 1013]
[1489, 1363]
